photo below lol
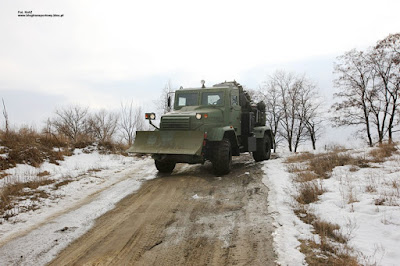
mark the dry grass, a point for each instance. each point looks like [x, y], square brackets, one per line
[332, 248]
[44, 173]
[305, 176]
[323, 164]
[330, 230]
[308, 170]
[383, 151]
[308, 192]
[301, 157]
[26, 146]
[11, 193]
[62, 183]
[325, 253]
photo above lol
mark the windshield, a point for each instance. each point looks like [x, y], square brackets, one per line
[188, 99]
[212, 98]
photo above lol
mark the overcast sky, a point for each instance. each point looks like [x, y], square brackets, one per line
[103, 52]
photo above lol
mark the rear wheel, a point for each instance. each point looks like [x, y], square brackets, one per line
[263, 151]
[164, 167]
[222, 159]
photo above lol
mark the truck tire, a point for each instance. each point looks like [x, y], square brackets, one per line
[164, 167]
[222, 161]
[263, 151]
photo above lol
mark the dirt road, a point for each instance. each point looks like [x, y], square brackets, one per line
[188, 218]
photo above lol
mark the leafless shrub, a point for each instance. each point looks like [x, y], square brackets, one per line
[72, 122]
[380, 201]
[131, 121]
[308, 192]
[103, 125]
[370, 188]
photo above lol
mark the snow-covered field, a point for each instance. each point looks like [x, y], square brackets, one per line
[364, 202]
[98, 183]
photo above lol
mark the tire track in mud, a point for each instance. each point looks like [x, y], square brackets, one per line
[188, 218]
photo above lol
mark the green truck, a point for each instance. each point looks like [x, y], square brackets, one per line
[207, 124]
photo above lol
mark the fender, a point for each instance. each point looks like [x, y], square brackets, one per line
[259, 132]
[217, 134]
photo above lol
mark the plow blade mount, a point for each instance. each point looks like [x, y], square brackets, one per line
[168, 142]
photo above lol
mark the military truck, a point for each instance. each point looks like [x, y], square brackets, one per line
[207, 124]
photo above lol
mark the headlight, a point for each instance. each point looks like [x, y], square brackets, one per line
[150, 116]
[198, 116]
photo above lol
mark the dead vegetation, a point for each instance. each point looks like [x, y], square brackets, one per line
[330, 248]
[323, 164]
[26, 146]
[31, 191]
[308, 171]
[383, 151]
[308, 192]
[12, 193]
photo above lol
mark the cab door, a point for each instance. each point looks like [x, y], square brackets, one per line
[235, 111]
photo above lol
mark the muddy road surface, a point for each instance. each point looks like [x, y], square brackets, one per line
[189, 217]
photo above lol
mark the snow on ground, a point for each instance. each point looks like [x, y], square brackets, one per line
[289, 228]
[364, 202]
[99, 182]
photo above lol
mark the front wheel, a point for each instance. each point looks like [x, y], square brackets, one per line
[263, 151]
[222, 158]
[164, 167]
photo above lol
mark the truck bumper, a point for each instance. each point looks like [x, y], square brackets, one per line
[168, 142]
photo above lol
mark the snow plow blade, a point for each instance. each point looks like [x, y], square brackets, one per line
[168, 142]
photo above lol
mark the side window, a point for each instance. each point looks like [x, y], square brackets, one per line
[234, 100]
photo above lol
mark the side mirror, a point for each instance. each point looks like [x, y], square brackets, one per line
[169, 101]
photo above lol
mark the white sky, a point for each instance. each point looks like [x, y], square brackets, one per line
[104, 52]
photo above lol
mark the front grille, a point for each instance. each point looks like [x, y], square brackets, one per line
[175, 123]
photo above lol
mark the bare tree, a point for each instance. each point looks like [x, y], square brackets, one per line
[162, 101]
[309, 111]
[103, 125]
[385, 60]
[131, 121]
[5, 114]
[292, 108]
[353, 79]
[292, 125]
[72, 122]
[271, 96]
[370, 88]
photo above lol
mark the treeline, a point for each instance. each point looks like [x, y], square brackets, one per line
[69, 128]
[369, 84]
[78, 124]
[369, 90]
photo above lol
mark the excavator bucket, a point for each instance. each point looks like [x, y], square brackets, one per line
[168, 142]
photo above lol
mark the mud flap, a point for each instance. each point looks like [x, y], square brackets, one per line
[168, 142]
